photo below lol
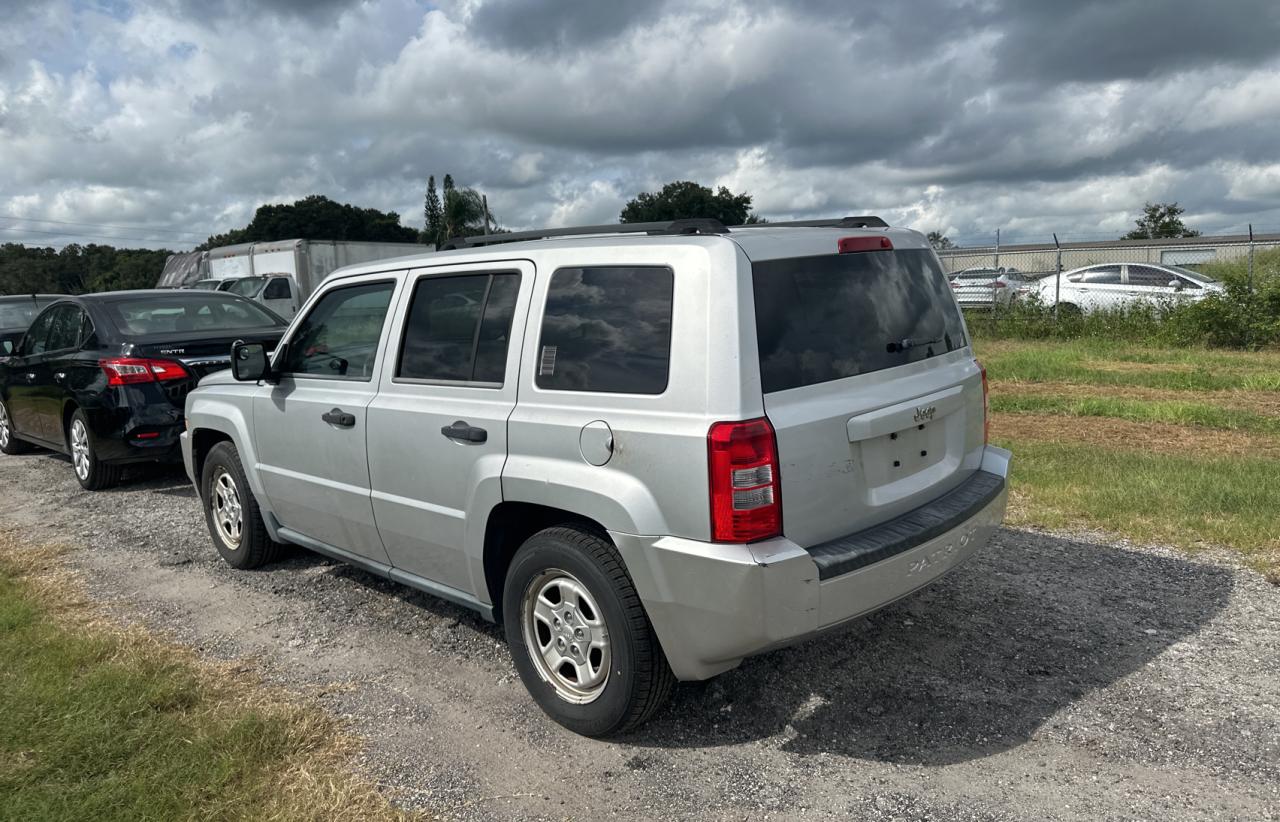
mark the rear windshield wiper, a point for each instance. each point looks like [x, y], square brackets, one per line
[907, 343]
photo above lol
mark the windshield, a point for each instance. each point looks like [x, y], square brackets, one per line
[826, 318]
[189, 311]
[1191, 275]
[205, 285]
[244, 286]
[20, 313]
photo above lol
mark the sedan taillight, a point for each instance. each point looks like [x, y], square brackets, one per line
[133, 370]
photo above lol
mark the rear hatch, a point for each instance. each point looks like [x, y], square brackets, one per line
[870, 386]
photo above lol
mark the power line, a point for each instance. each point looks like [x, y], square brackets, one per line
[106, 225]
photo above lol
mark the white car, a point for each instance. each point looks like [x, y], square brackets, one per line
[987, 287]
[1122, 285]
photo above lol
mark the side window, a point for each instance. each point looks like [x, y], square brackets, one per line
[339, 337]
[277, 289]
[459, 328]
[36, 339]
[64, 332]
[607, 329]
[1102, 275]
[1145, 275]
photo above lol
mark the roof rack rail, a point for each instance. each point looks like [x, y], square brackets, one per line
[868, 221]
[690, 226]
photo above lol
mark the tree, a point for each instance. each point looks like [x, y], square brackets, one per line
[685, 200]
[463, 214]
[940, 241]
[317, 218]
[1158, 221]
[432, 212]
[77, 268]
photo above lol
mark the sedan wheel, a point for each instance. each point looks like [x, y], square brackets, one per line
[80, 457]
[4, 426]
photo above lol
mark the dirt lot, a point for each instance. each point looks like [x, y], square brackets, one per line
[1050, 678]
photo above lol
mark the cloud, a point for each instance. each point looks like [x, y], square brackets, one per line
[1033, 116]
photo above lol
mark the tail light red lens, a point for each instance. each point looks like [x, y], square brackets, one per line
[986, 406]
[133, 370]
[852, 245]
[746, 486]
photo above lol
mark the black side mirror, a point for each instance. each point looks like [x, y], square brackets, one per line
[7, 347]
[249, 361]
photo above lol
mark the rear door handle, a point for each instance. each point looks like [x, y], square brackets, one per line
[31, 376]
[60, 376]
[339, 418]
[461, 431]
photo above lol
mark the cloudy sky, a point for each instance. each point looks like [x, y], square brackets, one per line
[158, 123]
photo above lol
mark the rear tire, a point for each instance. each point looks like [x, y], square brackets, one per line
[92, 473]
[9, 442]
[231, 512]
[568, 590]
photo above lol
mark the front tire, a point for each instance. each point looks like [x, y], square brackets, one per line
[9, 442]
[232, 513]
[579, 635]
[92, 473]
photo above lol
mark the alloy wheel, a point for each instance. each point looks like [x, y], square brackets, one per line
[4, 426]
[80, 449]
[228, 512]
[566, 635]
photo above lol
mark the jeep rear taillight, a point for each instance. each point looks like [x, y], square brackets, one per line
[986, 406]
[132, 370]
[746, 489]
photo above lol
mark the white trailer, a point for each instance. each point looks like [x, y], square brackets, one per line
[281, 274]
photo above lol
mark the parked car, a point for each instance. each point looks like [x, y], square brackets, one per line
[1119, 285]
[16, 314]
[648, 451]
[988, 287]
[103, 377]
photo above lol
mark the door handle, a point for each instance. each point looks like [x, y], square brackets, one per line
[60, 376]
[339, 418]
[31, 376]
[461, 431]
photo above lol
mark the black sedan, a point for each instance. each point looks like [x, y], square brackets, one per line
[103, 377]
[16, 314]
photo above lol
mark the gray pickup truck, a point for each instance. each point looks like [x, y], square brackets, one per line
[649, 451]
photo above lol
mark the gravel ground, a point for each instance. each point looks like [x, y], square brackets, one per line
[1049, 678]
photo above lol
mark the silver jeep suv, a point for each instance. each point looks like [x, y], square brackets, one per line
[648, 450]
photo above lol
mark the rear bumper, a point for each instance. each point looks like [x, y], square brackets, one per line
[713, 605]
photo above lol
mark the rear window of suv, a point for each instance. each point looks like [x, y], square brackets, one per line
[825, 318]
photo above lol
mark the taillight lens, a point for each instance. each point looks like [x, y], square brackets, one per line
[746, 487]
[132, 370]
[986, 406]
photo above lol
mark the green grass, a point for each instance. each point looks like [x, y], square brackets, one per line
[1193, 369]
[1175, 412]
[105, 725]
[1184, 501]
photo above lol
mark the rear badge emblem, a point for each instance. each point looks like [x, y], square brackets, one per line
[173, 350]
[925, 413]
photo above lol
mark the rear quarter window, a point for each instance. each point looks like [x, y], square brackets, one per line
[825, 318]
[607, 329]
